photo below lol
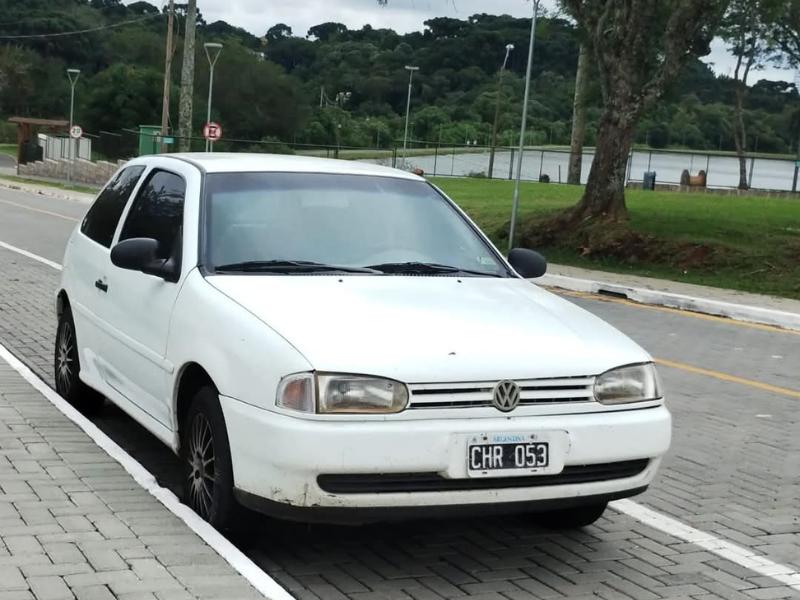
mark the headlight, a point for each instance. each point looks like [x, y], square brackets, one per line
[328, 393]
[635, 383]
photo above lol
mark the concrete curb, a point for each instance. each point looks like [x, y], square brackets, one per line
[44, 190]
[738, 312]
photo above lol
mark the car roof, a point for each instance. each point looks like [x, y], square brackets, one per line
[230, 162]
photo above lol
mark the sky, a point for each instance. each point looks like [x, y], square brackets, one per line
[403, 16]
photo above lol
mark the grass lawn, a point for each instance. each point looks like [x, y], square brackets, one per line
[757, 239]
[9, 150]
[53, 184]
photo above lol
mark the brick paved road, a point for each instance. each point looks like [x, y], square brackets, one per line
[734, 471]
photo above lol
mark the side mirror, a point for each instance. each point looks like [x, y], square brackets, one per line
[527, 263]
[141, 254]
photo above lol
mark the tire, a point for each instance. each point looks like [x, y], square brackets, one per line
[206, 457]
[67, 368]
[572, 518]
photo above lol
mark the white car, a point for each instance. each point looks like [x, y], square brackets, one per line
[336, 341]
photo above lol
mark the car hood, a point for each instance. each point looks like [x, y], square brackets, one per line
[428, 329]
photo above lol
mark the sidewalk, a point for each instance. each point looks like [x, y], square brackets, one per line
[743, 306]
[47, 190]
[74, 524]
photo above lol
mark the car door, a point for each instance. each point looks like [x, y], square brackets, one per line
[139, 306]
[86, 264]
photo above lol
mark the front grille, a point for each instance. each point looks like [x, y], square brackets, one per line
[433, 482]
[532, 391]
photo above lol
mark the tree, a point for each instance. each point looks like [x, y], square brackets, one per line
[187, 80]
[278, 32]
[745, 29]
[578, 118]
[639, 47]
[327, 31]
[786, 30]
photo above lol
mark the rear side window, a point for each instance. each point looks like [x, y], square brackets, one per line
[100, 222]
[157, 211]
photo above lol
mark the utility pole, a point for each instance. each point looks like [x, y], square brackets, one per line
[515, 205]
[73, 75]
[187, 80]
[411, 70]
[509, 48]
[167, 76]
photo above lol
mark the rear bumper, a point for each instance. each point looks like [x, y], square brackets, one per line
[283, 464]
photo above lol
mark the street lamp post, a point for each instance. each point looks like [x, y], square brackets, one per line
[509, 48]
[73, 75]
[515, 207]
[410, 70]
[213, 50]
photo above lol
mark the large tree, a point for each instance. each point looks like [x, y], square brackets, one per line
[639, 47]
[745, 29]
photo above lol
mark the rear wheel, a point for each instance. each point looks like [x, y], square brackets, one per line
[572, 518]
[67, 368]
[208, 472]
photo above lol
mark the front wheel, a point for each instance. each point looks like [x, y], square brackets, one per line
[208, 472]
[572, 518]
[67, 368]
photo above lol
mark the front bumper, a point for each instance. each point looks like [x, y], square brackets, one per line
[278, 460]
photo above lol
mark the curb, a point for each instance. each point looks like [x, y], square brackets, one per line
[737, 312]
[50, 192]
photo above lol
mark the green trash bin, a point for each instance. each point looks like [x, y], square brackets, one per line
[149, 139]
[649, 180]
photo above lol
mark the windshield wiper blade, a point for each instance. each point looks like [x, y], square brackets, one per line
[427, 268]
[288, 266]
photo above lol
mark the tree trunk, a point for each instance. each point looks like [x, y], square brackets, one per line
[604, 198]
[187, 80]
[740, 137]
[578, 118]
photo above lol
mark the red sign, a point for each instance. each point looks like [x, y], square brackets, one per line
[212, 131]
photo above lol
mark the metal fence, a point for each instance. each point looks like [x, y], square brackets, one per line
[552, 164]
[722, 171]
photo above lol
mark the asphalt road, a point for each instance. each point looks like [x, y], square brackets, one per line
[733, 471]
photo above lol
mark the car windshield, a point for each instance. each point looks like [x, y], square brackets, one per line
[309, 222]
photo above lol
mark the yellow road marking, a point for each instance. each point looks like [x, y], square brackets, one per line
[685, 313]
[40, 210]
[729, 378]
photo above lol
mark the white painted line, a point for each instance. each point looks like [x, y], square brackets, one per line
[739, 555]
[27, 254]
[737, 312]
[241, 563]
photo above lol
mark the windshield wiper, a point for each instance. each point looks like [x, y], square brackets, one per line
[422, 268]
[288, 266]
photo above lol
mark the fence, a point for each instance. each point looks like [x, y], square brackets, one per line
[59, 147]
[722, 171]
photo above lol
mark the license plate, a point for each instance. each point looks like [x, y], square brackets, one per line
[515, 454]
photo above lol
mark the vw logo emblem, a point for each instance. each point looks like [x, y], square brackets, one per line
[506, 396]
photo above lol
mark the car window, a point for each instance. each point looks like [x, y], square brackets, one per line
[349, 220]
[157, 212]
[100, 222]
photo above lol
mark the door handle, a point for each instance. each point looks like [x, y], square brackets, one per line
[103, 287]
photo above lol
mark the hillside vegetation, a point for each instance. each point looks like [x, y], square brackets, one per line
[269, 87]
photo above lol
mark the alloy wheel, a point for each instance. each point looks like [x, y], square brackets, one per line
[201, 467]
[65, 361]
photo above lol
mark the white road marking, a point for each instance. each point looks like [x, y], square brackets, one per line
[241, 563]
[31, 255]
[269, 587]
[734, 553]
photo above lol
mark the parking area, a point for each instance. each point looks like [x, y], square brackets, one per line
[722, 519]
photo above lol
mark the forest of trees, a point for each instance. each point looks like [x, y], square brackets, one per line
[336, 86]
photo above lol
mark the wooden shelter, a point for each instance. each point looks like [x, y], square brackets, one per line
[25, 127]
